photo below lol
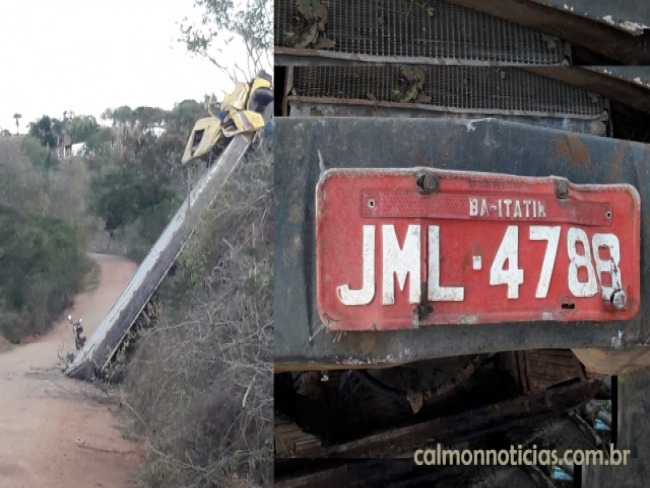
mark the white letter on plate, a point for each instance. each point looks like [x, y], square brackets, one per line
[365, 295]
[437, 293]
[552, 236]
[473, 207]
[576, 261]
[611, 266]
[513, 277]
[400, 262]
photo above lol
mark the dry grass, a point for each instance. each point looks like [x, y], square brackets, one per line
[199, 386]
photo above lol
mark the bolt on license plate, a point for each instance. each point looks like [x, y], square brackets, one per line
[399, 249]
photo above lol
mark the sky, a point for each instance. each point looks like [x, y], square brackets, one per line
[88, 55]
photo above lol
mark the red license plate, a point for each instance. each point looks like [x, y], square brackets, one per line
[400, 249]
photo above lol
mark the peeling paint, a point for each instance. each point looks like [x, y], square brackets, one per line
[617, 341]
[468, 319]
[639, 81]
[633, 27]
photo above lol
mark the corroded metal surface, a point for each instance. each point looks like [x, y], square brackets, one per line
[475, 90]
[108, 336]
[639, 75]
[480, 145]
[631, 17]
[461, 427]
[600, 36]
[395, 31]
[299, 107]
[541, 369]
[626, 84]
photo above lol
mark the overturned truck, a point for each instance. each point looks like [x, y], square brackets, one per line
[222, 141]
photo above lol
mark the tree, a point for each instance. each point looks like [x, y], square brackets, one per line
[81, 128]
[223, 20]
[148, 116]
[121, 116]
[47, 130]
[17, 116]
[182, 117]
[38, 153]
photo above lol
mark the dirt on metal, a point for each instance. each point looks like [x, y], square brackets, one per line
[574, 150]
[54, 431]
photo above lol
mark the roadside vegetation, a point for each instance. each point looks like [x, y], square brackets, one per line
[138, 182]
[42, 253]
[199, 385]
[115, 194]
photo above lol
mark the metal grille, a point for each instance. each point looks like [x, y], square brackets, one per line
[480, 89]
[421, 31]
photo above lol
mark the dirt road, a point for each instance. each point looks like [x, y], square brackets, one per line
[56, 432]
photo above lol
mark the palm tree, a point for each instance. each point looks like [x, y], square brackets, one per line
[17, 116]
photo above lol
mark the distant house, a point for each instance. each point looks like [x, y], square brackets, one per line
[156, 131]
[78, 149]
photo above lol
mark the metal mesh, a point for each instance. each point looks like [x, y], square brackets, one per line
[427, 29]
[454, 87]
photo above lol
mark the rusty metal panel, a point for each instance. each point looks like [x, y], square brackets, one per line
[596, 126]
[400, 249]
[600, 37]
[102, 345]
[396, 31]
[545, 368]
[507, 91]
[631, 17]
[638, 75]
[486, 145]
[626, 84]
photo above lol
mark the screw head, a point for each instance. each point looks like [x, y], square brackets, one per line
[561, 189]
[428, 183]
[619, 299]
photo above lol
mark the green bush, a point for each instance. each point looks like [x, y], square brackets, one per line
[42, 255]
[43, 265]
[40, 156]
